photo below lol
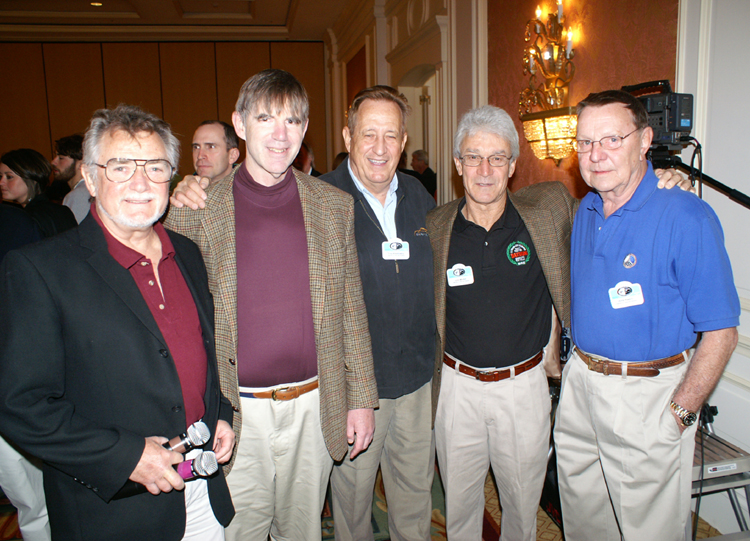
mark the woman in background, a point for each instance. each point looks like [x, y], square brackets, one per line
[24, 174]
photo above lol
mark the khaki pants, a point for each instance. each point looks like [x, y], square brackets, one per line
[625, 472]
[504, 424]
[404, 448]
[279, 479]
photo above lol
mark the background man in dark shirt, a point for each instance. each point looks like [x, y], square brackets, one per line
[420, 163]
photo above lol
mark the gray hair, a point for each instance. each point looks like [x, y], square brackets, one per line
[488, 119]
[422, 156]
[131, 120]
[273, 90]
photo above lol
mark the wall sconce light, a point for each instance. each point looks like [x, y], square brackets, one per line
[549, 123]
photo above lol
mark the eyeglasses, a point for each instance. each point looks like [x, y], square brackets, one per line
[122, 170]
[611, 142]
[474, 160]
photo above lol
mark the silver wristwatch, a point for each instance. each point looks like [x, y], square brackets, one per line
[688, 418]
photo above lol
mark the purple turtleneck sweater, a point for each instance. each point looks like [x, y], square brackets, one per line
[276, 337]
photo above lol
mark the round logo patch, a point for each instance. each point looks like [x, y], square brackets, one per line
[518, 253]
[629, 261]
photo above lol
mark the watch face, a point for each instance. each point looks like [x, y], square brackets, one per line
[689, 418]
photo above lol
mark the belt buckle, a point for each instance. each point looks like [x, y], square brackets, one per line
[591, 363]
[273, 393]
[487, 373]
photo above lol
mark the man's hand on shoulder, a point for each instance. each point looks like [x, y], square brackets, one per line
[154, 470]
[360, 427]
[669, 178]
[223, 442]
[191, 192]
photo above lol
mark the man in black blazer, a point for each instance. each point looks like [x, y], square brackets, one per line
[107, 351]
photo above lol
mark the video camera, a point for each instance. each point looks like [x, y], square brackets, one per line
[670, 114]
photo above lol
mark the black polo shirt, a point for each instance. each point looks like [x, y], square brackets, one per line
[504, 317]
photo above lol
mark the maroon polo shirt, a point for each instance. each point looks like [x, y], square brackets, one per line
[276, 335]
[174, 311]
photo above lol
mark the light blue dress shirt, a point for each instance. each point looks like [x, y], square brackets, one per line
[386, 214]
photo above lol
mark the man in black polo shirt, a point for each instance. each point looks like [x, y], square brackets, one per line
[501, 263]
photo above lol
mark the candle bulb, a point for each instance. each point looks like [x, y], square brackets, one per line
[538, 12]
[559, 10]
[532, 67]
[570, 43]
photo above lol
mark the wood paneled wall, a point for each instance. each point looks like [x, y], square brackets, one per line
[52, 89]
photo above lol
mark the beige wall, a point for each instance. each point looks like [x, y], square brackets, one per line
[53, 88]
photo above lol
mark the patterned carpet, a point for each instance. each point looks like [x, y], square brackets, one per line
[8, 521]
[546, 529]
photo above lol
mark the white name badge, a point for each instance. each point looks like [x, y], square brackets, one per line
[625, 294]
[460, 275]
[395, 249]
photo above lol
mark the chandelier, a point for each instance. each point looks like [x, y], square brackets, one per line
[549, 123]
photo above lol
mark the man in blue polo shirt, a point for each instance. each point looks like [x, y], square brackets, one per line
[649, 276]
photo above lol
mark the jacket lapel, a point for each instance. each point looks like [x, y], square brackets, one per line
[115, 275]
[541, 225]
[440, 237]
[218, 224]
[317, 253]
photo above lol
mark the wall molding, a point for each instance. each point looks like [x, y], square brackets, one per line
[736, 380]
[102, 33]
[480, 46]
[743, 346]
[704, 70]
[421, 37]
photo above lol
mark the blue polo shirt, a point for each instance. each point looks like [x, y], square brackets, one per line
[667, 244]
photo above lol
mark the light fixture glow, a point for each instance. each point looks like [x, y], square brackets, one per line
[551, 133]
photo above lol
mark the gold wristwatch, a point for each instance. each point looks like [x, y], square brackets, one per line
[688, 418]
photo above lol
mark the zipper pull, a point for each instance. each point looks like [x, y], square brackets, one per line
[396, 262]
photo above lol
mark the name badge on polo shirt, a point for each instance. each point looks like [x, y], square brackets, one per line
[460, 275]
[625, 294]
[395, 249]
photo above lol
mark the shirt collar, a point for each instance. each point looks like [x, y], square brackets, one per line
[509, 217]
[391, 189]
[126, 256]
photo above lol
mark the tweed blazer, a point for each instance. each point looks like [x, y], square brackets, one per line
[342, 339]
[547, 209]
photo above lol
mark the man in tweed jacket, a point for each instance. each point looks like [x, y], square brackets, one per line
[272, 326]
[494, 405]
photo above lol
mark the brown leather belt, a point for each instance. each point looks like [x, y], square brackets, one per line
[494, 375]
[647, 369]
[284, 393]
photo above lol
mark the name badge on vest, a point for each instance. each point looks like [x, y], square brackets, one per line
[395, 249]
[625, 294]
[460, 275]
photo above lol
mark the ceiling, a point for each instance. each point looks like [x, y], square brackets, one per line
[167, 20]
